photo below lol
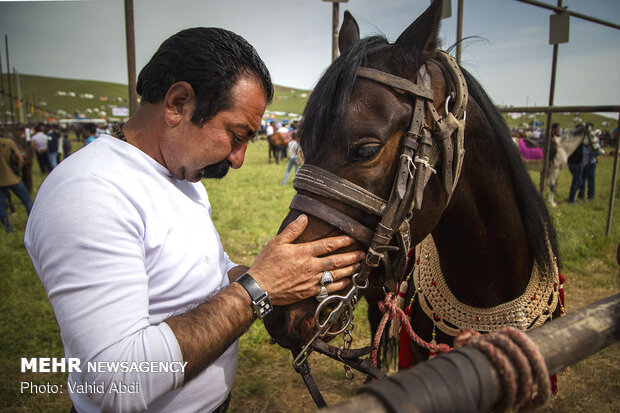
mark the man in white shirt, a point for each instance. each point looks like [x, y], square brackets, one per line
[140, 275]
[39, 143]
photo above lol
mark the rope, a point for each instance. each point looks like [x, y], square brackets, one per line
[409, 160]
[391, 311]
[514, 355]
[424, 161]
[511, 351]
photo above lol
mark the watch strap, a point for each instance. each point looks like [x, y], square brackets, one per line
[261, 303]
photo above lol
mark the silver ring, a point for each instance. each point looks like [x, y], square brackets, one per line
[327, 278]
[322, 295]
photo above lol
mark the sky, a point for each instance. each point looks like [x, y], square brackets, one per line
[509, 53]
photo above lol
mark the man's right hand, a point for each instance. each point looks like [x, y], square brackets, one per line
[292, 272]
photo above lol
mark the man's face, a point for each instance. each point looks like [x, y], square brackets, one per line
[208, 151]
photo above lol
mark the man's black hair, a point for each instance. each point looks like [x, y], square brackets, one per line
[211, 60]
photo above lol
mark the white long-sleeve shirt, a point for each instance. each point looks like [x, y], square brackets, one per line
[120, 245]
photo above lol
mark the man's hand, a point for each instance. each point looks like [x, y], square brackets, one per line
[287, 272]
[292, 272]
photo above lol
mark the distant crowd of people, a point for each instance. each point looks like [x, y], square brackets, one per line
[49, 144]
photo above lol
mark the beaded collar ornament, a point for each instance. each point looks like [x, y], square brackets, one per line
[531, 309]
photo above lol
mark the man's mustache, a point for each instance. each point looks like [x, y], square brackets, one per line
[217, 170]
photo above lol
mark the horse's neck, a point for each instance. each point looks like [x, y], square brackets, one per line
[482, 263]
[481, 239]
[571, 141]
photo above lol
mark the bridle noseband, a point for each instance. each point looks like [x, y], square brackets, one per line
[430, 137]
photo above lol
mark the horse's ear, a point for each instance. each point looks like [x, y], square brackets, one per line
[420, 40]
[349, 32]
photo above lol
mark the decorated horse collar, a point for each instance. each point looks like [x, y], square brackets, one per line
[531, 309]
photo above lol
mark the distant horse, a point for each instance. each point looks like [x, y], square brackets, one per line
[568, 143]
[561, 149]
[391, 162]
[277, 146]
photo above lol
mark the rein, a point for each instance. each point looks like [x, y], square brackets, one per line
[430, 137]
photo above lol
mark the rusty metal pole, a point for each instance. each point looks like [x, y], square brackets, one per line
[8, 75]
[335, 23]
[545, 168]
[131, 56]
[459, 30]
[2, 93]
[19, 96]
[614, 180]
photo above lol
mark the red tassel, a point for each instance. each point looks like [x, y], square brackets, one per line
[561, 289]
[405, 353]
[554, 383]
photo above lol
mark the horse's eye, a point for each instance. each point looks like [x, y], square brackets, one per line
[365, 152]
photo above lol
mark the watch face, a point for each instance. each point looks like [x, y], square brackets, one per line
[262, 307]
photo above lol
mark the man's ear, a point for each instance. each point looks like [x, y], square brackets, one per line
[179, 101]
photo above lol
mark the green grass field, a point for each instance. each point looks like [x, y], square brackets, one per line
[248, 207]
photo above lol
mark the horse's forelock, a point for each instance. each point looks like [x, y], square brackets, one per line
[328, 102]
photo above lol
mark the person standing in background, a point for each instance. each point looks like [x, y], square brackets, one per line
[39, 143]
[66, 145]
[294, 157]
[11, 163]
[589, 168]
[575, 165]
[53, 139]
[90, 133]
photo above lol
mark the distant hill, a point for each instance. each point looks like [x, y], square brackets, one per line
[95, 99]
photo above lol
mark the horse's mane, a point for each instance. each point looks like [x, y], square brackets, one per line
[536, 219]
[330, 97]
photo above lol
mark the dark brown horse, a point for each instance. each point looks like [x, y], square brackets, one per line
[388, 156]
[277, 146]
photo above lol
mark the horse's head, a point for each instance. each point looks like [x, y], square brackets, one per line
[366, 137]
[589, 138]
